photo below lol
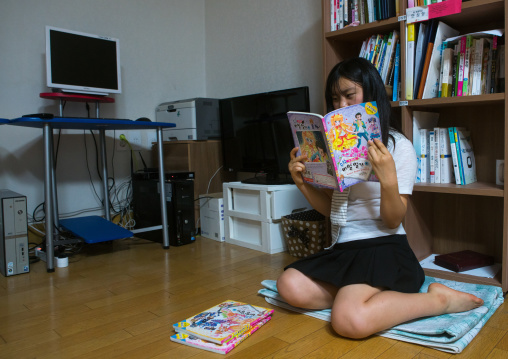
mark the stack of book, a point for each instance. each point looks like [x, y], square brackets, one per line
[383, 51]
[222, 327]
[445, 154]
[442, 63]
[357, 12]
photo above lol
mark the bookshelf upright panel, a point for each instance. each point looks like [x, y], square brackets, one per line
[444, 218]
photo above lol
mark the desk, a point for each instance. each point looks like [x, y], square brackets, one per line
[49, 171]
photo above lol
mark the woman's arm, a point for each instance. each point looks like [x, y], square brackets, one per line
[393, 204]
[319, 199]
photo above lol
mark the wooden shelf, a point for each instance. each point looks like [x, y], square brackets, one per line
[479, 100]
[361, 32]
[475, 189]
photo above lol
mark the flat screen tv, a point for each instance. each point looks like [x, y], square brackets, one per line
[82, 63]
[256, 136]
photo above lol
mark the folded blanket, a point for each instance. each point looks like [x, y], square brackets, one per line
[448, 332]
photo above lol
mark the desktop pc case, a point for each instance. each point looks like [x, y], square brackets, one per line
[179, 202]
[195, 119]
[14, 257]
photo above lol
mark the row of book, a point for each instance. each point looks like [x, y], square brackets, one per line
[442, 63]
[356, 12]
[444, 154]
[383, 51]
[221, 328]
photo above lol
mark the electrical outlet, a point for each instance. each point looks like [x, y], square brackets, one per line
[134, 138]
[120, 144]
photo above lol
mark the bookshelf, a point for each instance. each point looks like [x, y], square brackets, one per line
[443, 218]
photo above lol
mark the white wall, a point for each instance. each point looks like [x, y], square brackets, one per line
[170, 50]
[263, 45]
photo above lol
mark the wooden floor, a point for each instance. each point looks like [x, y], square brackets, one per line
[119, 300]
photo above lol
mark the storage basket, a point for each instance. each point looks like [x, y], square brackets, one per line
[305, 233]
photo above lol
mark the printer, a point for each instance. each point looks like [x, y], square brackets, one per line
[195, 119]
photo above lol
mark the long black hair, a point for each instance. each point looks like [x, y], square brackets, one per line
[363, 73]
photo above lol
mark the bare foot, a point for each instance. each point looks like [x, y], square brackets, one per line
[453, 300]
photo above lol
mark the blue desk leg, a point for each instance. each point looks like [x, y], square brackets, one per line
[102, 134]
[48, 196]
[162, 185]
[54, 191]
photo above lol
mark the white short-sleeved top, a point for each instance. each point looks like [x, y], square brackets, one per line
[364, 201]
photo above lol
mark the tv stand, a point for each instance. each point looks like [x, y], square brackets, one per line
[269, 180]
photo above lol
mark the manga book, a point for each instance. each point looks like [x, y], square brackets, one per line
[223, 322]
[336, 145]
[225, 348]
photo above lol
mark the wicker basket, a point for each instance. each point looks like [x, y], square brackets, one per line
[305, 233]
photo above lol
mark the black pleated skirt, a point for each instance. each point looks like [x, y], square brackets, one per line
[386, 262]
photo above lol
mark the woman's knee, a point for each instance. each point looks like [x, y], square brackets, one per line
[350, 323]
[291, 289]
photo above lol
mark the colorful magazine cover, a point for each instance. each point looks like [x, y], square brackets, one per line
[213, 347]
[336, 145]
[223, 322]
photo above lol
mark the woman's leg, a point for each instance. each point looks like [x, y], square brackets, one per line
[360, 310]
[304, 292]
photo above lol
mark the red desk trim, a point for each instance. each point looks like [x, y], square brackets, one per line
[76, 97]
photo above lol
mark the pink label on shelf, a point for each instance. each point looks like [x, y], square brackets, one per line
[444, 8]
[440, 9]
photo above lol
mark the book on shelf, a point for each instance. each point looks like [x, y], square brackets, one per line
[463, 155]
[357, 11]
[420, 33]
[473, 62]
[410, 60]
[441, 69]
[444, 155]
[336, 145]
[424, 169]
[422, 120]
[447, 72]
[455, 67]
[431, 87]
[461, 65]
[371, 10]
[380, 56]
[463, 260]
[223, 322]
[345, 13]
[428, 53]
[466, 154]
[455, 160]
[492, 87]
[446, 162]
[437, 156]
[485, 67]
[432, 156]
[389, 57]
[467, 61]
[224, 348]
[380, 50]
[477, 64]
[396, 74]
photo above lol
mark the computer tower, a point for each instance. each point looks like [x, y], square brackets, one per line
[179, 202]
[14, 257]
